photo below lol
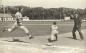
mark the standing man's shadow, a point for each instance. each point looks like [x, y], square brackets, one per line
[71, 38]
[16, 40]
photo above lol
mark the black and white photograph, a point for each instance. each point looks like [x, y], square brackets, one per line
[42, 26]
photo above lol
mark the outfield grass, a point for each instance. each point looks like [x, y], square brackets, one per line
[38, 28]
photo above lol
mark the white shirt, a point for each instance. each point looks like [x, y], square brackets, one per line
[54, 31]
[18, 15]
[54, 27]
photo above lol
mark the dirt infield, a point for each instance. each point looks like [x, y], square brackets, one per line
[26, 48]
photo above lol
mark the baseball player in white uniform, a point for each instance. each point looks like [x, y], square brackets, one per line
[18, 24]
[54, 32]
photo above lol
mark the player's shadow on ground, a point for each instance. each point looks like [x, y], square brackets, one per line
[17, 40]
[71, 38]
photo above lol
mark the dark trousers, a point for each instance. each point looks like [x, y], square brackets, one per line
[77, 29]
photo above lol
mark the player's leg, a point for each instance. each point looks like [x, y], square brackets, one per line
[80, 33]
[26, 31]
[73, 32]
[52, 37]
[56, 36]
[11, 29]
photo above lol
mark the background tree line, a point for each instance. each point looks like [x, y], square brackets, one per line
[43, 13]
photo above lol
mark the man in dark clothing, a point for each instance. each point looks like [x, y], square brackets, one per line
[77, 26]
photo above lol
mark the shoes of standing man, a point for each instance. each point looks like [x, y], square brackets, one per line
[75, 38]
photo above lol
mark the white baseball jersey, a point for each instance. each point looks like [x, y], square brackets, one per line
[54, 28]
[54, 31]
[18, 16]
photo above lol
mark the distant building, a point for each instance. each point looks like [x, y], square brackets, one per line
[67, 18]
[6, 17]
[26, 18]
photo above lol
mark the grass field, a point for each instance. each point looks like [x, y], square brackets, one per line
[38, 28]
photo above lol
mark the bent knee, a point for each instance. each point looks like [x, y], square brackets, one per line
[22, 26]
[9, 30]
[25, 29]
